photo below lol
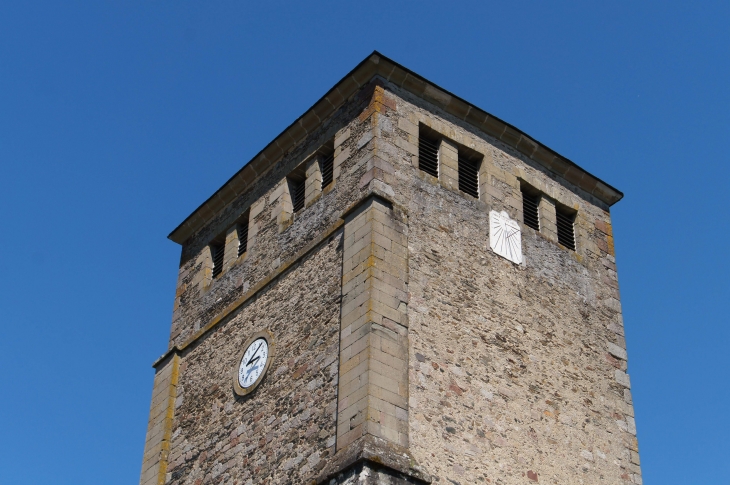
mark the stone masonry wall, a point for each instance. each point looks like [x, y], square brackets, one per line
[517, 372]
[274, 234]
[285, 430]
[272, 237]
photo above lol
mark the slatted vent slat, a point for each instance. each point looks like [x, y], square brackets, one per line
[327, 168]
[428, 159]
[530, 211]
[242, 231]
[297, 195]
[469, 176]
[566, 233]
[217, 251]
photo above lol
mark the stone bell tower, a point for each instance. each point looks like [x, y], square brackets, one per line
[400, 288]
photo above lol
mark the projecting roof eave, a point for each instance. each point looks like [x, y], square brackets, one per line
[377, 64]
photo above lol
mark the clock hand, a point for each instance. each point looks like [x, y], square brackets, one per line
[254, 354]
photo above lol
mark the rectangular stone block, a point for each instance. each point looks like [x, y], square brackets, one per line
[622, 378]
[407, 126]
[339, 159]
[409, 147]
[341, 137]
[617, 351]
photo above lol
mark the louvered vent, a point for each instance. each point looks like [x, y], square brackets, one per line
[242, 231]
[469, 175]
[428, 159]
[297, 194]
[566, 234]
[217, 251]
[327, 168]
[529, 210]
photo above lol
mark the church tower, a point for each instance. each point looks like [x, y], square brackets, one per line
[399, 289]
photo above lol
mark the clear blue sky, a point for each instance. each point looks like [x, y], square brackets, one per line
[117, 119]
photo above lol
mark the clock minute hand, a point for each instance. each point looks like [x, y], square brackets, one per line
[254, 355]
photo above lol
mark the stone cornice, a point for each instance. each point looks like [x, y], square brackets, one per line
[378, 65]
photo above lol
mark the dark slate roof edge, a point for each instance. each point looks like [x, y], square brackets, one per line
[551, 159]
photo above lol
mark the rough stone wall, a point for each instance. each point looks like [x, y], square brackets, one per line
[272, 240]
[285, 430]
[517, 372]
[510, 372]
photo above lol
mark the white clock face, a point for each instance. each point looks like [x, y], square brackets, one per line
[505, 236]
[253, 363]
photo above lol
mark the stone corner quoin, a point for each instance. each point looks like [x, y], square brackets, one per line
[404, 347]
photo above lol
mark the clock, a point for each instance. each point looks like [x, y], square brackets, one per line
[505, 236]
[253, 363]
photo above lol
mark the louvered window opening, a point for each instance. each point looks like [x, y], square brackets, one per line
[297, 195]
[530, 212]
[327, 167]
[469, 176]
[217, 250]
[566, 233]
[242, 236]
[428, 159]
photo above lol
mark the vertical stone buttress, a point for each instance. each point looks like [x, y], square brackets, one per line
[159, 428]
[373, 383]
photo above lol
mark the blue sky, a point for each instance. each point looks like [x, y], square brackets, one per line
[117, 119]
